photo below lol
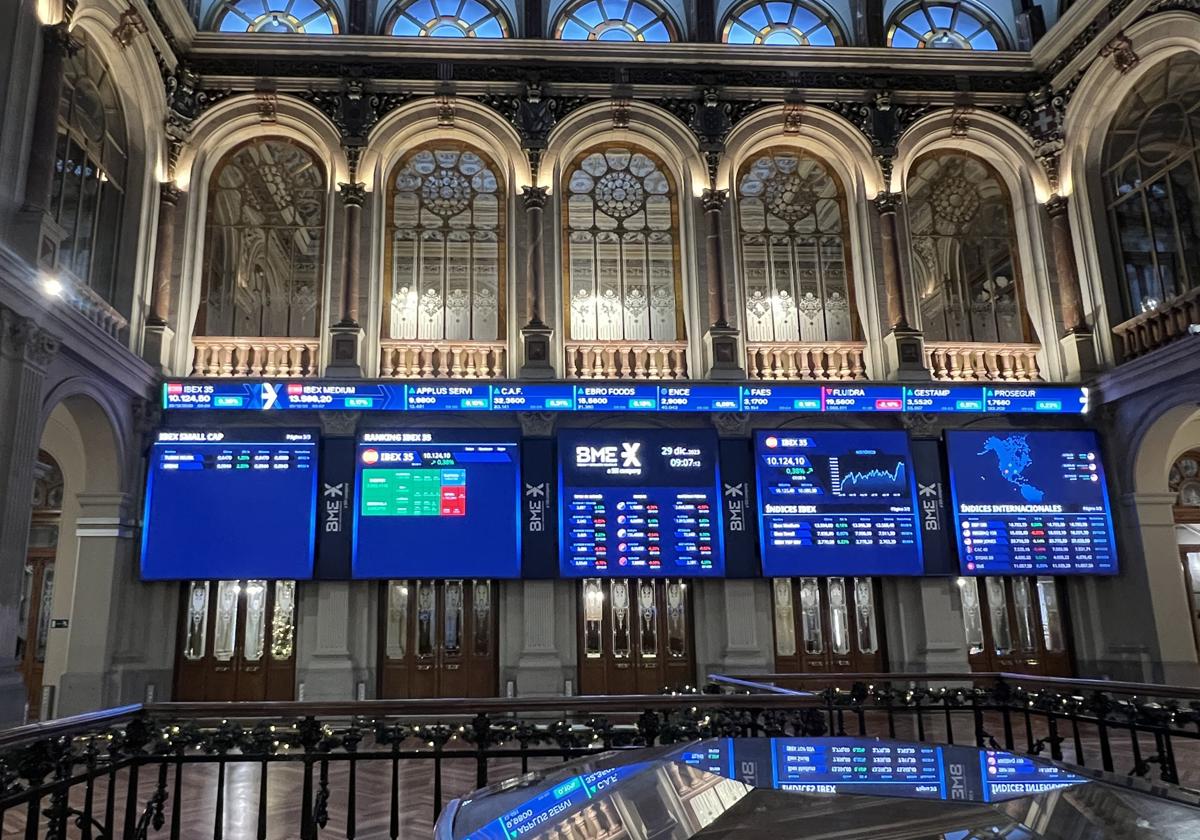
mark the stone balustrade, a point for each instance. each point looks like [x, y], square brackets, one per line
[442, 359]
[1160, 326]
[626, 360]
[824, 360]
[980, 362]
[255, 357]
[88, 303]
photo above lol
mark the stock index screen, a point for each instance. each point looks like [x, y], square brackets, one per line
[836, 503]
[437, 504]
[1030, 503]
[230, 504]
[640, 502]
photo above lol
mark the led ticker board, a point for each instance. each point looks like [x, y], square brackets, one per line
[1030, 502]
[876, 768]
[437, 504]
[230, 504]
[639, 502]
[836, 503]
[637, 397]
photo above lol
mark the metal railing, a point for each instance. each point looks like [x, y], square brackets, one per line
[385, 768]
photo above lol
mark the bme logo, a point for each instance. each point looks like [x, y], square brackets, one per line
[607, 456]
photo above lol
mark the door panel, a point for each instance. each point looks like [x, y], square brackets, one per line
[438, 639]
[635, 636]
[237, 641]
[827, 625]
[1016, 624]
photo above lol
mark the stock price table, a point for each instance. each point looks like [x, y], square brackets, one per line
[836, 503]
[1030, 502]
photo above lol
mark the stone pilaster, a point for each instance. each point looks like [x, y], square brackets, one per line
[722, 337]
[346, 335]
[903, 345]
[535, 335]
[156, 346]
[1078, 344]
[25, 352]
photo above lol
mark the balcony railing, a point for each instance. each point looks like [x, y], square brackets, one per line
[255, 357]
[442, 359]
[1158, 327]
[84, 300]
[626, 360]
[826, 360]
[172, 768]
[977, 362]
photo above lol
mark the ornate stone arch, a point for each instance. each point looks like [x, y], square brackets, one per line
[1009, 152]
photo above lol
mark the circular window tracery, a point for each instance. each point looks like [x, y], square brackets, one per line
[615, 20]
[782, 24]
[285, 17]
[448, 19]
[945, 25]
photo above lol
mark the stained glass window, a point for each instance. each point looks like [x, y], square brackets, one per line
[1152, 184]
[448, 19]
[264, 242]
[782, 24]
[622, 248]
[90, 168]
[945, 26]
[963, 257]
[615, 20]
[289, 17]
[445, 241]
[794, 251]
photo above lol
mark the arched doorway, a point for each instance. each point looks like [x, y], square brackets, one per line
[37, 588]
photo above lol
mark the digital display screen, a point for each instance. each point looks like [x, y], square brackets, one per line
[640, 503]
[1030, 503]
[836, 503]
[876, 767]
[230, 504]
[437, 505]
[634, 397]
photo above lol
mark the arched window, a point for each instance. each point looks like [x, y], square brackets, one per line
[264, 243]
[448, 19]
[444, 276]
[783, 24]
[947, 25]
[621, 238]
[615, 20]
[1151, 171]
[792, 225]
[90, 170]
[295, 17]
[963, 257]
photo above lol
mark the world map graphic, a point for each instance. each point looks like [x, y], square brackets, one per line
[1013, 458]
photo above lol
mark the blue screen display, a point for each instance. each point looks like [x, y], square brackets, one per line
[639, 502]
[230, 504]
[437, 505]
[1029, 502]
[836, 503]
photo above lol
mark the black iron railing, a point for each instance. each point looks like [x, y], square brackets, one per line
[385, 768]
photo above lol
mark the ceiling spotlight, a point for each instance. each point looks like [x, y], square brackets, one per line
[52, 286]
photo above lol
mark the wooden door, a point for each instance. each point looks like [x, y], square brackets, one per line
[827, 625]
[1016, 624]
[635, 636]
[237, 641]
[438, 639]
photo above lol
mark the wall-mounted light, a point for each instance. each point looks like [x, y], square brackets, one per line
[52, 286]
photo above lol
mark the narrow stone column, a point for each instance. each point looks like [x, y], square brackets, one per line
[723, 338]
[57, 47]
[164, 255]
[25, 352]
[346, 335]
[903, 345]
[1077, 342]
[535, 335]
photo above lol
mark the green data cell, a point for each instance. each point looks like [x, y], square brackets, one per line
[413, 492]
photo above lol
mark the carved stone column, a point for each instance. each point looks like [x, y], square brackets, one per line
[903, 345]
[723, 339]
[26, 351]
[156, 346]
[1078, 345]
[535, 335]
[346, 335]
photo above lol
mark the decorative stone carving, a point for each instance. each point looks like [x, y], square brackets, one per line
[128, 27]
[537, 423]
[22, 338]
[445, 117]
[338, 423]
[792, 116]
[268, 106]
[353, 195]
[959, 124]
[1120, 50]
[731, 423]
[922, 425]
[533, 115]
[620, 112]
